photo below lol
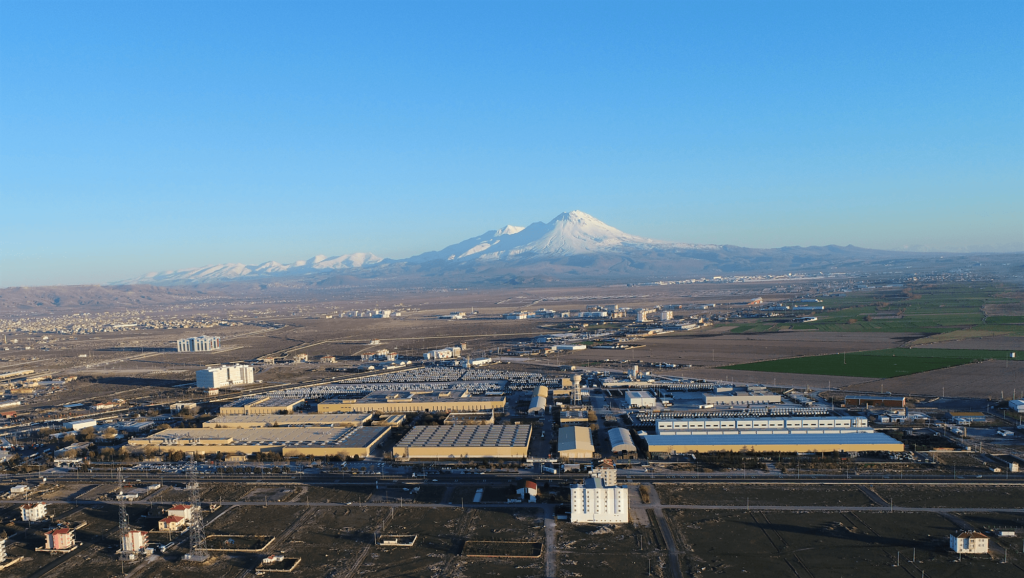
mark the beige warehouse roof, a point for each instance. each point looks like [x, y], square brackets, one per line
[299, 419]
[575, 439]
[284, 436]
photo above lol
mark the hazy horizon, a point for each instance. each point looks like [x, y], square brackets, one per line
[159, 136]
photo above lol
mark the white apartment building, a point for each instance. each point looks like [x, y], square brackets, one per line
[201, 343]
[134, 541]
[33, 512]
[641, 315]
[224, 376]
[596, 502]
[665, 316]
[3, 549]
[969, 543]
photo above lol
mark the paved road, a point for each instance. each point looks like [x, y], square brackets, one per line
[666, 532]
[520, 505]
[551, 543]
[476, 478]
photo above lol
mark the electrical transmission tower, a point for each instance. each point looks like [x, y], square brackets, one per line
[196, 533]
[122, 518]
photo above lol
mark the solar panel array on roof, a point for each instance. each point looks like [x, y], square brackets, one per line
[467, 436]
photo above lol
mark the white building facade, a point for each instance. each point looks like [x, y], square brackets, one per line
[969, 543]
[597, 502]
[446, 353]
[33, 512]
[640, 399]
[134, 541]
[223, 376]
[201, 343]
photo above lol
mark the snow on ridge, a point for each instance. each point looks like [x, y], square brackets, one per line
[568, 234]
[229, 271]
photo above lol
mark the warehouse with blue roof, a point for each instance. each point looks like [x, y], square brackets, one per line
[768, 435]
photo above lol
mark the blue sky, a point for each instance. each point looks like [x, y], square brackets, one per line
[147, 136]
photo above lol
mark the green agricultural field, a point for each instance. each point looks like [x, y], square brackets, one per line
[1004, 320]
[928, 310]
[883, 363]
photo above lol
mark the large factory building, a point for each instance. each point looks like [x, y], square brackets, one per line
[291, 420]
[768, 435]
[261, 405]
[464, 441]
[287, 441]
[461, 401]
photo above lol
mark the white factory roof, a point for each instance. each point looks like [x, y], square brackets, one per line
[620, 440]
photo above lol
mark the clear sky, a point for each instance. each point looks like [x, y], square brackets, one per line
[147, 136]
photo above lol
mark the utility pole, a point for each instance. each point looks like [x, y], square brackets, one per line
[196, 534]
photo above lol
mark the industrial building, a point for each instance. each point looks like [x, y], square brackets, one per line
[80, 424]
[224, 376]
[875, 401]
[621, 441]
[445, 401]
[539, 401]
[740, 397]
[640, 399]
[567, 416]
[574, 442]
[1017, 405]
[261, 405]
[472, 418]
[464, 441]
[768, 435]
[446, 353]
[201, 343]
[291, 420]
[598, 500]
[394, 420]
[289, 441]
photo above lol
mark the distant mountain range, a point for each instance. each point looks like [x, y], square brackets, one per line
[571, 247]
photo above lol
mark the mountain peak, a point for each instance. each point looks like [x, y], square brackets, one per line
[508, 230]
[576, 217]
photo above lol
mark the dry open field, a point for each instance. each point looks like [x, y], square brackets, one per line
[598, 550]
[827, 545]
[717, 347]
[1006, 497]
[762, 495]
[988, 379]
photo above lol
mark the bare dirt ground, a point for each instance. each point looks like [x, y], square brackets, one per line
[1008, 343]
[586, 550]
[710, 349]
[762, 495]
[988, 379]
[829, 544]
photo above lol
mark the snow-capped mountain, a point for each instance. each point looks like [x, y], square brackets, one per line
[570, 248]
[231, 271]
[568, 234]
